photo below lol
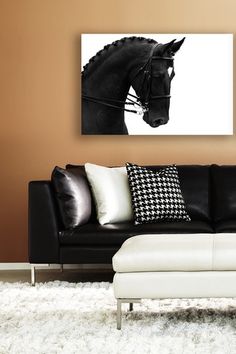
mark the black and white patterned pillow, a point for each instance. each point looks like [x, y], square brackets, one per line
[156, 196]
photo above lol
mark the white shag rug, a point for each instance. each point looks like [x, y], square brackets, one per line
[66, 318]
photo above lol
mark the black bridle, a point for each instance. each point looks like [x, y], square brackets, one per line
[142, 102]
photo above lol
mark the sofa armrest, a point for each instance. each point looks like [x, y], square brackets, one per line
[44, 223]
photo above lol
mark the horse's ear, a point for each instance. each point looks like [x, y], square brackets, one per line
[165, 48]
[175, 46]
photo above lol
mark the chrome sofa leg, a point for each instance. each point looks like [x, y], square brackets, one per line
[33, 271]
[32, 274]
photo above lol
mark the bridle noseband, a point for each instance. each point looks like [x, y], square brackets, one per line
[141, 104]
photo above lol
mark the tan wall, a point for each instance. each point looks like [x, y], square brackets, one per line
[39, 61]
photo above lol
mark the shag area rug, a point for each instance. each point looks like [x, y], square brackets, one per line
[62, 317]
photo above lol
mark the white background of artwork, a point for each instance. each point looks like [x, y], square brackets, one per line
[202, 89]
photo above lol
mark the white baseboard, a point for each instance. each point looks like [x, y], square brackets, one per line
[26, 266]
[14, 266]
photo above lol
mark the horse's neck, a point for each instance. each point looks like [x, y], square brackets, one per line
[107, 85]
[100, 119]
[111, 78]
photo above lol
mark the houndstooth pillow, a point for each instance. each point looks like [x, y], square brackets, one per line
[156, 196]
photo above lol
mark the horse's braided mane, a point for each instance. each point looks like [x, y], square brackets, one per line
[113, 44]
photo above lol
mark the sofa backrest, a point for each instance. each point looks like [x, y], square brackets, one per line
[194, 182]
[223, 190]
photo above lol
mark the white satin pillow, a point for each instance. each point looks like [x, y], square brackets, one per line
[111, 192]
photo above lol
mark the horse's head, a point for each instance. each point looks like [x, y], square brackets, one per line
[152, 84]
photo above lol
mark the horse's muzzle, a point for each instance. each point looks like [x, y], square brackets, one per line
[158, 121]
[155, 122]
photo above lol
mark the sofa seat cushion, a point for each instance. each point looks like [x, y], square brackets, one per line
[226, 226]
[199, 252]
[116, 234]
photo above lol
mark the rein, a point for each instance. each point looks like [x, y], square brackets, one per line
[139, 107]
[102, 101]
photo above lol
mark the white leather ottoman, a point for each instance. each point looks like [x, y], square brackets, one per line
[174, 266]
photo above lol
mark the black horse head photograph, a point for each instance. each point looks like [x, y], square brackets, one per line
[128, 84]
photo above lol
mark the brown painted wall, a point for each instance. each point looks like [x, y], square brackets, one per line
[39, 61]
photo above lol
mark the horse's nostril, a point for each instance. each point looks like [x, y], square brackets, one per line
[158, 122]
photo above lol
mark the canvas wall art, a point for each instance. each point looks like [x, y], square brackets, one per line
[157, 84]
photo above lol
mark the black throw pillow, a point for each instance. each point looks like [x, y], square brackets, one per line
[156, 196]
[73, 196]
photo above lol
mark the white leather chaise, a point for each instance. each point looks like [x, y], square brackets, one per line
[174, 266]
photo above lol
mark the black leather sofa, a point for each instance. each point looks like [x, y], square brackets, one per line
[210, 197]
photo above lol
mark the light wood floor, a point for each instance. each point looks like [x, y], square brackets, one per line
[83, 275]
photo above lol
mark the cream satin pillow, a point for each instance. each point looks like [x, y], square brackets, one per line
[111, 192]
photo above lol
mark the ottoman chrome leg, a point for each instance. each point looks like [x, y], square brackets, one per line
[118, 314]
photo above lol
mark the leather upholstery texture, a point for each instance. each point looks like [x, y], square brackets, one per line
[116, 234]
[194, 182]
[44, 223]
[81, 170]
[210, 197]
[158, 285]
[223, 192]
[192, 252]
[87, 255]
[73, 196]
[225, 226]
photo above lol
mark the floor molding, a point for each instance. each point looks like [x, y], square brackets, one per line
[26, 266]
